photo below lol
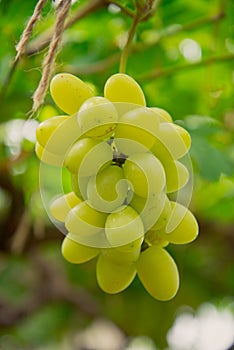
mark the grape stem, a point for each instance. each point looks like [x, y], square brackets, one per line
[144, 8]
[124, 55]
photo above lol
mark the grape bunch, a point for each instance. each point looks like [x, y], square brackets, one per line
[125, 162]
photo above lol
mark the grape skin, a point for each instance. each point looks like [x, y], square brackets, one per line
[61, 206]
[152, 210]
[46, 128]
[79, 185]
[139, 125]
[164, 116]
[69, 92]
[87, 155]
[123, 226]
[97, 117]
[103, 219]
[108, 190]
[182, 227]
[177, 176]
[158, 273]
[48, 157]
[84, 221]
[123, 88]
[77, 253]
[113, 277]
[52, 134]
[145, 173]
[176, 139]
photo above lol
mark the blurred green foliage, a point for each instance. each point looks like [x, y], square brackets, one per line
[183, 57]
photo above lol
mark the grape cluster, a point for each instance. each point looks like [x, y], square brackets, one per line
[124, 161]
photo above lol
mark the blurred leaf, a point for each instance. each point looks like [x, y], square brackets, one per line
[48, 325]
[210, 157]
[210, 161]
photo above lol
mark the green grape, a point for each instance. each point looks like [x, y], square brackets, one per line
[154, 238]
[46, 112]
[161, 152]
[48, 157]
[176, 173]
[162, 220]
[163, 115]
[84, 221]
[158, 273]
[153, 210]
[139, 125]
[177, 176]
[77, 152]
[87, 155]
[108, 190]
[182, 226]
[61, 206]
[123, 226]
[127, 253]
[113, 277]
[123, 88]
[69, 92]
[46, 128]
[97, 117]
[132, 247]
[175, 138]
[57, 134]
[77, 253]
[145, 173]
[98, 158]
[79, 185]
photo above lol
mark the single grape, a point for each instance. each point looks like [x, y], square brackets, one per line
[123, 88]
[161, 152]
[139, 125]
[57, 134]
[124, 254]
[113, 277]
[97, 117]
[69, 92]
[77, 152]
[98, 158]
[47, 111]
[154, 238]
[163, 115]
[48, 157]
[158, 273]
[79, 185]
[46, 128]
[176, 139]
[145, 173]
[87, 155]
[131, 247]
[162, 220]
[84, 221]
[182, 226]
[108, 190]
[61, 206]
[177, 176]
[77, 253]
[153, 210]
[123, 226]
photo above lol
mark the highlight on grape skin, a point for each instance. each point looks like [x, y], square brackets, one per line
[97, 117]
[127, 168]
[108, 190]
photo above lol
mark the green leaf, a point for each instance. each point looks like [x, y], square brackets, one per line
[202, 125]
[211, 162]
